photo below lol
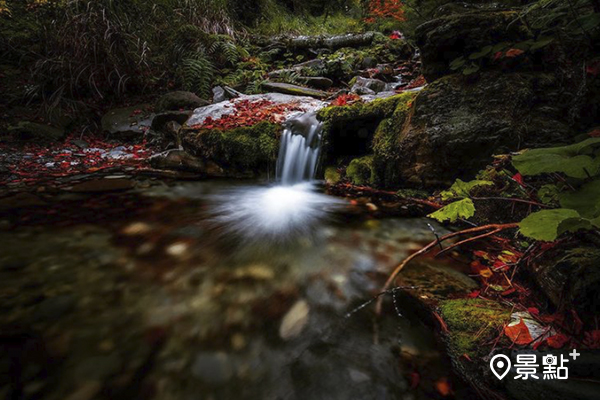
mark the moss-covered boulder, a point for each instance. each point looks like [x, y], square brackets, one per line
[458, 123]
[366, 128]
[239, 151]
[294, 90]
[360, 171]
[444, 39]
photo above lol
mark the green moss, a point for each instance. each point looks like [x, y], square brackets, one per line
[472, 322]
[386, 141]
[332, 176]
[360, 171]
[245, 148]
[378, 108]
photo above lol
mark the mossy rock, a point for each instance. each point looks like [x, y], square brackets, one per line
[332, 175]
[471, 323]
[179, 100]
[360, 171]
[458, 123]
[378, 108]
[294, 90]
[251, 149]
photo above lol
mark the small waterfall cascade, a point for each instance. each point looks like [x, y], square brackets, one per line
[299, 151]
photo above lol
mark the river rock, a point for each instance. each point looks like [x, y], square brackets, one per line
[179, 100]
[224, 93]
[296, 90]
[129, 122]
[318, 82]
[161, 122]
[367, 86]
[178, 160]
[27, 130]
[294, 321]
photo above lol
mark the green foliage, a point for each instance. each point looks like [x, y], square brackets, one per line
[459, 209]
[462, 189]
[548, 225]
[579, 201]
[576, 160]
[197, 72]
[360, 171]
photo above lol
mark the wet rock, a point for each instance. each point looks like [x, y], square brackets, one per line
[318, 82]
[296, 90]
[213, 367]
[294, 321]
[27, 130]
[179, 100]
[224, 93]
[160, 122]
[457, 124]
[129, 122]
[102, 185]
[179, 160]
[367, 86]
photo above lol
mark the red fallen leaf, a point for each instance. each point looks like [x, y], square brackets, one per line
[482, 254]
[518, 178]
[508, 291]
[592, 339]
[443, 387]
[395, 36]
[512, 53]
[415, 379]
[533, 311]
[498, 55]
[500, 266]
[474, 294]
[557, 341]
[519, 333]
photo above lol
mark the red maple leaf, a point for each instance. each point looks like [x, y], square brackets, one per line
[518, 333]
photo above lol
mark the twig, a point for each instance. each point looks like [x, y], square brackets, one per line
[471, 239]
[534, 203]
[428, 247]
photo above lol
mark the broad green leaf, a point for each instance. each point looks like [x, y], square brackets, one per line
[481, 53]
[462, 189]
[523, 45]
[586, 200]
[534, 163]
[459, 209]
[471, 69]
[573, 225]
[457, 63]
[544, 225]
[541, 42]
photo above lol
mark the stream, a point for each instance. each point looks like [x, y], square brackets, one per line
[211, 290]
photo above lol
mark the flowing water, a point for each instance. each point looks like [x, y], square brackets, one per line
[208, 290]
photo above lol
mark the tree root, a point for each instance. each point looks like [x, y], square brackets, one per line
[495, 228]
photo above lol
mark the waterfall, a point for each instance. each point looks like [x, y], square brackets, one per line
[299, 151]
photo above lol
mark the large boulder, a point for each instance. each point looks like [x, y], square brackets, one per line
[458, 123]
[445, 39]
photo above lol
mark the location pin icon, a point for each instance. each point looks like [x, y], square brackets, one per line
[500, 365]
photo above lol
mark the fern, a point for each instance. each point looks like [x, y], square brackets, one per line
[198, 73]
